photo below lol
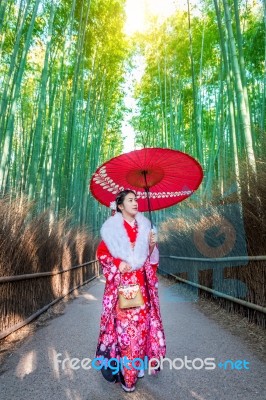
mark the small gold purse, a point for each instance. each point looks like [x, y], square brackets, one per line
[130, 296]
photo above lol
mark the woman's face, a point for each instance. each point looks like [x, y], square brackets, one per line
[129, 206]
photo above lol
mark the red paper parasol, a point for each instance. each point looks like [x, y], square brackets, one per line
[160, 177]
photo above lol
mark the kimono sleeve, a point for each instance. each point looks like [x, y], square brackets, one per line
[154, 257]
[109, 263]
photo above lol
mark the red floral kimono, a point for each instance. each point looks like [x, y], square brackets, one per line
[134, 332]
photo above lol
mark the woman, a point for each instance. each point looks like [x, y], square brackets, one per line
[128, 254]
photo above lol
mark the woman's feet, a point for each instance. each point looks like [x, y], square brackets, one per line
[127, 389]
[123, 383]
[155, 371]
[141, 373]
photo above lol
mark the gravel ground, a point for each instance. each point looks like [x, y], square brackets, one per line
[194, 329]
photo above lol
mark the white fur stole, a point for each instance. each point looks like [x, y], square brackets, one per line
[115, 236]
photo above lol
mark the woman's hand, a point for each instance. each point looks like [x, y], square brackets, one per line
[124, 267]
[152, 238]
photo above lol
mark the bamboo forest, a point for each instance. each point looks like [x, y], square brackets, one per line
[63, 65]
[74, 83]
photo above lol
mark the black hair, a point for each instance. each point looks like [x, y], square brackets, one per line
[120, 197]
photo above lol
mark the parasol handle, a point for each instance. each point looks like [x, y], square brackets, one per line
[149, 205]
[148, 196]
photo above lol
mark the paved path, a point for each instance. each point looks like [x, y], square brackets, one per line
[30, 372]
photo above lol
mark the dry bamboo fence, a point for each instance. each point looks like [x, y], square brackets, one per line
[24, 297]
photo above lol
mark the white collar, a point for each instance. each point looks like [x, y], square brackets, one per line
[132, 223]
